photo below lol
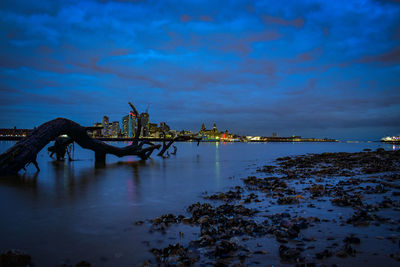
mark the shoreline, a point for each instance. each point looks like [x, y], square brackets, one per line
[329, 209]
[118, 139]
[308, 209]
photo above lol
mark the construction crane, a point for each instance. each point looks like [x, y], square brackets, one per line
[134, 109]
[147, 109]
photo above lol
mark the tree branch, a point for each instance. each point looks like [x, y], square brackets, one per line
[25, 151]
[178, 138]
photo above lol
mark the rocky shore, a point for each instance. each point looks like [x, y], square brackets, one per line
[329, 209]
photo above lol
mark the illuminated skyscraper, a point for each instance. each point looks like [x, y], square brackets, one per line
[125, 126]
[132, 125]
[115, 129]
[144, 117]
[129, 123]
[106, 131]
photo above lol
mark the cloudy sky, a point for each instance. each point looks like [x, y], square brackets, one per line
[311, 68]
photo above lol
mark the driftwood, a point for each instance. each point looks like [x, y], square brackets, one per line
[25, 151]
[60, 147]
[166, 145]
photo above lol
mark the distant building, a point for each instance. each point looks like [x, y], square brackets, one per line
[97, 132]
[145, 131]
[186, 132]
[164, 127]
[106, 132]
[172, 133]
[182, 133]
[203, 128]
[226, 136]
[125, 126]
[212, 134]
[274, 135]
[15, 132]
[132, 124]
[253, 138]
[115, 129]
[153, 128]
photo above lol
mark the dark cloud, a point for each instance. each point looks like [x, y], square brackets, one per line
[311, 55]
[325, 30]
[31, 7]
[297, 22]
[206, 18]
[308, 88]
[251, 66]
[119, 52]
[388, 1]
[391, 57]
[240, 43]
[185, 18]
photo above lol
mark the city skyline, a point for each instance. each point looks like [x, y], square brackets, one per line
[312, 68]
[127, 127]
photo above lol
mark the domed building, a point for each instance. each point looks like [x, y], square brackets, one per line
[214, 134]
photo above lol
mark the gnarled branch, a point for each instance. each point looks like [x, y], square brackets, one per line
[25, 151]
[166, 145]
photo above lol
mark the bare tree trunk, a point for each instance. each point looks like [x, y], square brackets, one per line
[139, 122]
[175, 150]
[25, 151]
[60, 147]
[166, 146]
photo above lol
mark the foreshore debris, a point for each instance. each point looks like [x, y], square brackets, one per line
[292, 207]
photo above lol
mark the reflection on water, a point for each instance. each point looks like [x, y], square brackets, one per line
[21, 180]
[395, 147]
[74, 210]
[217, 161]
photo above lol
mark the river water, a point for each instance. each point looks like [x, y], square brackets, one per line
[72, 211]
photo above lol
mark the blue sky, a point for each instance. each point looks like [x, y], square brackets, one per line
[311, 68]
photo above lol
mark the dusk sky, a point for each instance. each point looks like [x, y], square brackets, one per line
[310, 68]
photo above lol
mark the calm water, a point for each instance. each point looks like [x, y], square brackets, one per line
[73, 211]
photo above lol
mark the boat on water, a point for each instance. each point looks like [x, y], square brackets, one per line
[391, 139]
